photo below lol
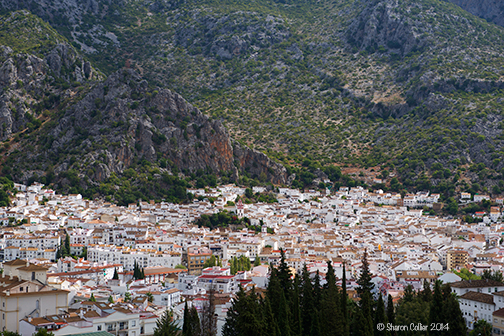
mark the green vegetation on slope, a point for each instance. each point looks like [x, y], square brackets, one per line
[411, 87]
[24, 32]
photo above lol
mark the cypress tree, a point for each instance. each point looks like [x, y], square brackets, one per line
[343, 303]
[317, 290]
[380, 317]
[185, 325]
[390, 310]
[92, 298]
[194, 327]
[360, 326]
[116, 275]
[270, 324]
[426, 292]
[307, 301]
[436, 306]
[280, 309]
[67, 243]
[208, 320]
[135, 270]
[409, 294]
[330, 309]
[452, 314]
[315, 328]
[296, 311]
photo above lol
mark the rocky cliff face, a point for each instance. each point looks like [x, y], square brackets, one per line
[123, 121]
[490, 10]
[31, 84]
[37, 71]
[379, 25]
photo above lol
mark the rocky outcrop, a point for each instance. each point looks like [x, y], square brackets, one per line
[123, 121]
[228, 36]
[379, 26]
[257, 163]
[25, 79]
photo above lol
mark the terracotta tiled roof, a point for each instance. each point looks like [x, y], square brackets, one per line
[480, 297]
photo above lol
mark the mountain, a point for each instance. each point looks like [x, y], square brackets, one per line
[408, 91]
[64, 123]
[490, 10]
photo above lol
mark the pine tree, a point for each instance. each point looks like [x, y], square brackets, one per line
[110, 299]
[364, 282]
[40, 332]
[284, 275]
[250, 319]
[380, 317]
[257, 261]
[366, 298]
[165, 326]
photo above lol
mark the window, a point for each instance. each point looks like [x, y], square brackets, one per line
[98, 328]
[21, 289]
[133, 323]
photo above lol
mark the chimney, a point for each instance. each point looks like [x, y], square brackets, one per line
[29, 319]
[27, 263]
[7, 292]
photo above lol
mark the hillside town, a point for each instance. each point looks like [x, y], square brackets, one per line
[124, 266]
